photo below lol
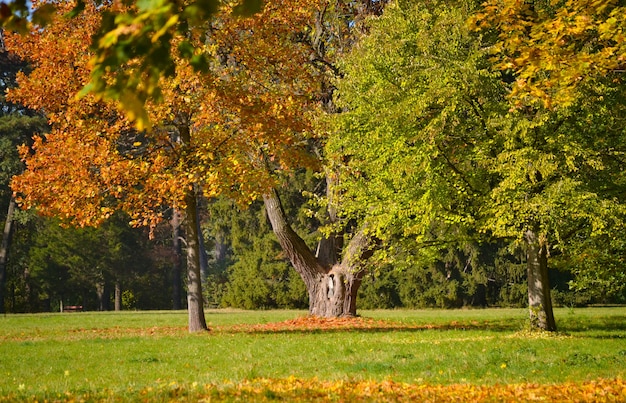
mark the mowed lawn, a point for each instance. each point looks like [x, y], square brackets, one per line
[151, 356]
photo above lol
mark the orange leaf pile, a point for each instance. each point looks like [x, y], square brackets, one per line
[309, 323]
[300, 324]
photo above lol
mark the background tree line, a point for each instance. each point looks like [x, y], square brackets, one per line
[247, 269]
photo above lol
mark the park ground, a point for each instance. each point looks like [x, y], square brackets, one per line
[391, 355]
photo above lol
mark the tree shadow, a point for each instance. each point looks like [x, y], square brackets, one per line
[613, 327]
[378, 327]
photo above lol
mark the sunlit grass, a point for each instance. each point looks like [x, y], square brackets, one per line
[125, 353]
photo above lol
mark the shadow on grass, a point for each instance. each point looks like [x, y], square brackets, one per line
[319, 326]
[613, 327]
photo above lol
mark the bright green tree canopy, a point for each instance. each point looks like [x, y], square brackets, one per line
[431, 150]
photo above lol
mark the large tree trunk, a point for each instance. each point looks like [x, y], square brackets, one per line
[332, 288]
[177, 264]
[4, 250]
[195, 301]
[335, 293]
[539, 299]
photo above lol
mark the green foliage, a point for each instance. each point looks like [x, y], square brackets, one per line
[248, 267]
[128, 300]
[596, 264]
[479, 276]
[432, 154]
[69, 264]
[417, 91]
[379, 290]
[260, 276]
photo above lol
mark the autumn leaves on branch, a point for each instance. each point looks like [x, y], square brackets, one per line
[214, 130]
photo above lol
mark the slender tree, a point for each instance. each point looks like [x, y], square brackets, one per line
[212, 129]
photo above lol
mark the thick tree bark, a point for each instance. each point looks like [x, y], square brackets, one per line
[539, 298]
[195, 301]
[177, 264]
[329, 248]
[4, 250]
[332, 288]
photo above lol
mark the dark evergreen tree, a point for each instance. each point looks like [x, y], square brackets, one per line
[248, 267]
[85, 266]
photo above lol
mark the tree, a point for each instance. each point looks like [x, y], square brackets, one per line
[334, 272]
[570, 55]
[441, 159]
[212, 127]
[244, 60]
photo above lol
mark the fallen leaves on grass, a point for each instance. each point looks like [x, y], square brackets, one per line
[299, 324]
[100, 333]
[314, 390]
[312, 323]
[118, 332]
[293, 389]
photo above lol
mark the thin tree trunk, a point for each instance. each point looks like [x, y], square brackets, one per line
[332, 289]
[118, 296]
[195, 301]
[178, 260]
[539, 298]
[195, 305]
[100, 292]
[204, 260]
[4, 250]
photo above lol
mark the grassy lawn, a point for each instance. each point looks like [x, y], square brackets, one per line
[128, 355]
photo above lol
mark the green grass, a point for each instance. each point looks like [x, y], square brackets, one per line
[49, 354]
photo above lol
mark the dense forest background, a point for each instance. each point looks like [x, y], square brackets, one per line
[50, 264]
